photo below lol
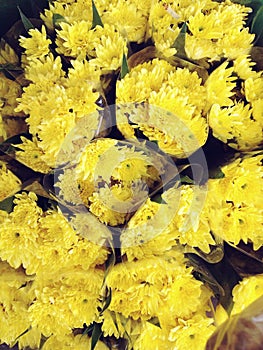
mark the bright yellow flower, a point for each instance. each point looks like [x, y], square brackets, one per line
[7, 54]
[64, 301]
[19, 232]
[130, 18]
[13, 313]
[235, 208]
[247, 291]
[193, 333]
[44, 70]
[220, 85]
[243, 66]
[9, 183]
[31, 155]
[235, 126]
[253, 87]
[37, 45]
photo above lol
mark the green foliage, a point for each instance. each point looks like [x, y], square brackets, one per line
[95, 335]
[96, 20]
[179, 43]
[26, 22]
[257, 25]
[124, 67]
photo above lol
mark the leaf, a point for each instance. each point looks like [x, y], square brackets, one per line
[179, 43]
[257, 25]
[124, 66]
[26, 22]
[57, 19]
[107, 301]
[95, 336]
[96, 20]
[7, 204]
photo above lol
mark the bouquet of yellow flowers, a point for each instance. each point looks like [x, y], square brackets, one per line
[131, 176]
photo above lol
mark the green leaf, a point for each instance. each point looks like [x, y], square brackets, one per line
[257, 24]
[96, 20]
[107, 301]
[124, 66]
[95, 336]
[179, 43]
[7, 204]
[57, 19]
[186, 179]
[26, 22]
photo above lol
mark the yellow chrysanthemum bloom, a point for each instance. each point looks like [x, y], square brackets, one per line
[72, 11]
[130, 18]
[220, 85]
[45, 70]
[178, 125]
[37, 45]
[19, 232]
[147, 233]
[61, 247]
[140, 288]
[243, 66]
[214, 29]
[193, 333]
[235, 122]
[9, 183]
[10, 90]
[191, 222]
[103, 45]
[247, 291]
[7, 54]
[31, 155]
[64, 301]
[68, 342]
[235, 207]
[236, 126]
[15, 301]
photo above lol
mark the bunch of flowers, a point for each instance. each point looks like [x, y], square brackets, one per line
[115, 233]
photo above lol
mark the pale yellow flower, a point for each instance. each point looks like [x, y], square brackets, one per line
[37, 45]
[246, 292]
[9, 182]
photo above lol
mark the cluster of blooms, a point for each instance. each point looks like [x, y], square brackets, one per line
[54, 280]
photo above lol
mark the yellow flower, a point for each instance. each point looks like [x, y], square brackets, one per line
[253, 87]
[243, 66]
[145, 288]
[10, 90]
[235, 208]
[129, 18]
[109, 50]
[44, 70]
[66, 300]
[7, 53]
[111, 205]
[13, 313]
[19, 232]
[236, 42]
[193, 333]
[191, 222]
[72, 11]
[247, 291]
[31, 155]
[75, 39]
[9, 183]
[220, 85]
[235, 126]
[37, 46]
